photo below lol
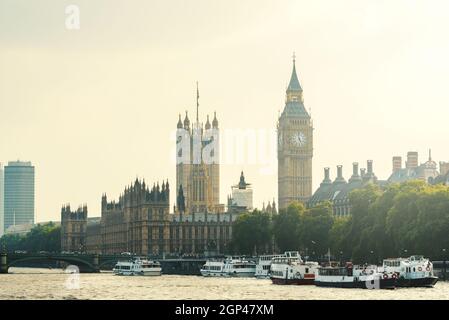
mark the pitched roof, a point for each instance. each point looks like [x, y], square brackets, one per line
[295, 108]
[294, 82]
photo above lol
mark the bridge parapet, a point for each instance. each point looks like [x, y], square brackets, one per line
[91, 263]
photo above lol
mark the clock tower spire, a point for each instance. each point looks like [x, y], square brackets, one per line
[295, 146]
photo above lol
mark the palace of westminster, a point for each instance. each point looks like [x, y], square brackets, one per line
[140, 221]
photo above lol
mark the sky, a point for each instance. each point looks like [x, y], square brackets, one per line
[95, 107]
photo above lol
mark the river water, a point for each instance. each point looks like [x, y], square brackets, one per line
[30, 283]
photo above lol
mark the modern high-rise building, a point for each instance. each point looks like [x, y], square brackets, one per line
[18, 193]
[2, 217]
[197, 164]
[295, 147]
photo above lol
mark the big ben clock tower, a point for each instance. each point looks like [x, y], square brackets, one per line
[295, 147]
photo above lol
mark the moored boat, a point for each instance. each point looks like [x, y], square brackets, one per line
[415, 271]
[213, 268]
[291, 269]
[354, 277]
[229, 267]
[263, 265]
[137, 267]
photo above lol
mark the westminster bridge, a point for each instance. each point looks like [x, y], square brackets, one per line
[91, 263]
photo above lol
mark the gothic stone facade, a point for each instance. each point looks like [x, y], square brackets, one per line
[197, 166]
[73, 228]
[295, 147]
[140, 223]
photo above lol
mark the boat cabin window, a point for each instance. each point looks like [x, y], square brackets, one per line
[277, 273]
[292, 254]
[392, 263]
[416, 258]
[243, 265]
[333, 271]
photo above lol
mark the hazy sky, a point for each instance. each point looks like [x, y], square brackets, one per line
[96, 107]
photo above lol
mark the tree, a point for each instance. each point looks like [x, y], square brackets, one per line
[433, 222]
[385, 221]
[252, 233]
[357, 239]
[286, 226]
[314, 227]
[402, 218]
[338, 235]
[45, 237]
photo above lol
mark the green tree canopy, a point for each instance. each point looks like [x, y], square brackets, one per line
[45, 237]
[286, 226]
[252, 233]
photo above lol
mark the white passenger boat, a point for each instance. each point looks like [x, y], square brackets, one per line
[138, 267]
[415, 271]
[291, 269]
[213, 268]
[354, 277]
[229, 267]
[263, 265]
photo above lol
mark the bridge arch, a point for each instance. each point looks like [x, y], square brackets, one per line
[71, 260]
[108, 261]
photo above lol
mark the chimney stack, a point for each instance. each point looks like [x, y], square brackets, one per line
[397, 164]
[444, 168]
[355, 168]
[340, 178]
[355, 172]
[327, 179]
[370, 167]
[412, 160]
[362, 172]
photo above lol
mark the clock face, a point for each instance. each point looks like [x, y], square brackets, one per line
[298, 139]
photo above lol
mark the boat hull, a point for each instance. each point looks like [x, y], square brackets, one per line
[226, 274]
[150, 273]
[213, 274]
[242, 274]
[139, 273]
[383, 284]
[298, 282]
[419, 282]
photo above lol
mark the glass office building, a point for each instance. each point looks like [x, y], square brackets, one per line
[18, 194]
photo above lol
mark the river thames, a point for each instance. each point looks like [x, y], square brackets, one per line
[28, 283]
